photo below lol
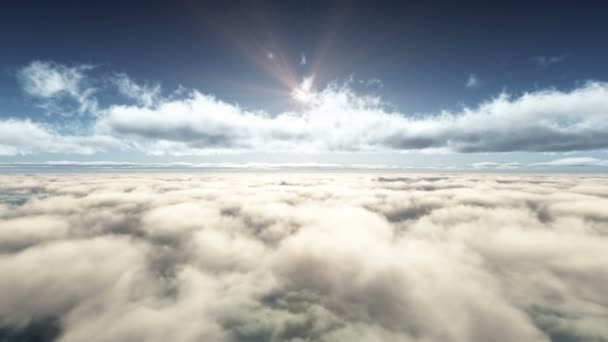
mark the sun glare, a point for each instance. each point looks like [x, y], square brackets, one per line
[303, 92]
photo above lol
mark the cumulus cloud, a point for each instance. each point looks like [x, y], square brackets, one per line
[293, 257]
[19, 137]
[52, 83]
[335, 118]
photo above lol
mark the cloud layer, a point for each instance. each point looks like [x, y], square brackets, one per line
[27, 137]
[335, 118]
[292, 257]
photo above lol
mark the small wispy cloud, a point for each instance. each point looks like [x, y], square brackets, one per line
[144, 94]
[372, 82]
[51, 82]
[472, 81]
[303, 60]
[546, 61]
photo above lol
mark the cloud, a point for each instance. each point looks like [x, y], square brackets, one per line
[498, 166]
[304, 92]
[294, 257]
[563, 162]
[337, 119]
[122, 165]
[145, 95]
[333, 119]
[472, 81]
[19, 137]
[52, 83]
[546, 61]
[185, 165]
[578, 161]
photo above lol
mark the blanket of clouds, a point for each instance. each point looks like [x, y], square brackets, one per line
[303, 257]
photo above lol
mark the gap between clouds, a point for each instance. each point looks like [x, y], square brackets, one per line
[335, 119]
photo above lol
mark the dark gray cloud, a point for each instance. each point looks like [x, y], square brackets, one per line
[293, 257]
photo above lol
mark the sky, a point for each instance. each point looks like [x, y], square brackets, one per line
[490, 86]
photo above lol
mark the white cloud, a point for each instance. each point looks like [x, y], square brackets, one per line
[117, 165]
[18, 137]
[337, 119]
[122, 165]
[498, 166]
[578, 161]
[302, 257]
[53, 82]
[304, 92]
[145, 95]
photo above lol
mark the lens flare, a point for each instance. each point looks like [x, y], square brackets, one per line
[271, 51]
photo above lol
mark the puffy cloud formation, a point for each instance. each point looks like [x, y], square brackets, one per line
[338, 119]
[335, 118]
[26, 137]
[295, 257]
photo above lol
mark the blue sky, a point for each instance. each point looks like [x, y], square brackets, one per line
[435, 86]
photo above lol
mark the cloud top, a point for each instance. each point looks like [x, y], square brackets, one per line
[292, 257]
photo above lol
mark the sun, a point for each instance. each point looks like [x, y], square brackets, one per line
[303, 92]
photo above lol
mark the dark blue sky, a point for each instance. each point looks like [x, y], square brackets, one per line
[421, 57]
[423, 51]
